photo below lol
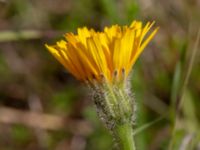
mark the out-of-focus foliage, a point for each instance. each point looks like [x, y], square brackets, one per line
[32, 81]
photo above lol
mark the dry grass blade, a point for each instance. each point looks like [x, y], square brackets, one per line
[188, 72]
[185, 82]
[43, 121]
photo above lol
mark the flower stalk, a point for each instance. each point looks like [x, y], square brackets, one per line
[124, 135]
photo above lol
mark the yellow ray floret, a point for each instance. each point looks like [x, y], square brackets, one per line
[103, 56]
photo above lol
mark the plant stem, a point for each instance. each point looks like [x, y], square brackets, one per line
[124, 135]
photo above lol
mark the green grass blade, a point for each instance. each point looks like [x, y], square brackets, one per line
[147, 125]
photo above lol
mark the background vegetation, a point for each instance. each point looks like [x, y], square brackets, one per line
[44, 107]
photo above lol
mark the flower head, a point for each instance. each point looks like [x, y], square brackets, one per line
[107, 55]
[107, 58]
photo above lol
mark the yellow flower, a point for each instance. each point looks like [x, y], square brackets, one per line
[107, 55]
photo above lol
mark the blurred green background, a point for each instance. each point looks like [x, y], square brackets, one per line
[42, 107]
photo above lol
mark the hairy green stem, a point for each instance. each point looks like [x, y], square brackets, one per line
[124, 137]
